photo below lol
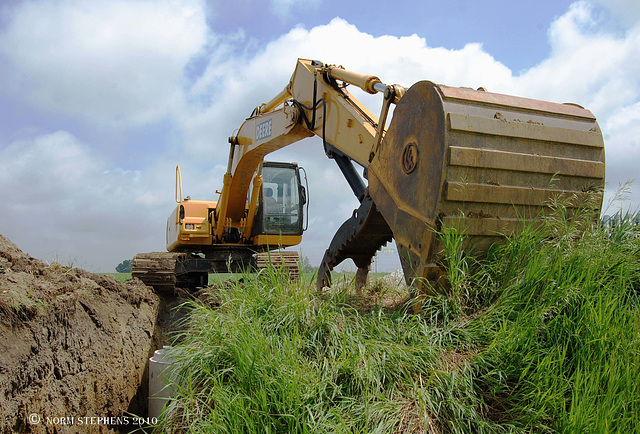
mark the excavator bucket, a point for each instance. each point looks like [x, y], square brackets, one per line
[482, 162]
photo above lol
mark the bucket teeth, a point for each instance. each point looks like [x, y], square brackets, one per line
[359, 238]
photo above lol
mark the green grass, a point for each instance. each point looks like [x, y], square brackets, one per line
[121, 277]
[218, 278]
[541, 335]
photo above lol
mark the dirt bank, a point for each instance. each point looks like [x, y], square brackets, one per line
[73, 346]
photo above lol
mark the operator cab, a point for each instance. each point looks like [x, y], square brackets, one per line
[281, 200]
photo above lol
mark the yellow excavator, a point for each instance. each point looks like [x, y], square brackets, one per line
[484, 162]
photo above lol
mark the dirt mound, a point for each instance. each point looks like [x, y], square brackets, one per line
[73, 346]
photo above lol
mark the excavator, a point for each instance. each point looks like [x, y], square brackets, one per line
[483, 162]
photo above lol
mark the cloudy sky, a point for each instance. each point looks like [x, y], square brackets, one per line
[100, 99]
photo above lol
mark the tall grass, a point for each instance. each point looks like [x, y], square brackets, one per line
[563, 337]
[542, 335]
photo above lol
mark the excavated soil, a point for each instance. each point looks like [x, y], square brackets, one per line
[74, 346]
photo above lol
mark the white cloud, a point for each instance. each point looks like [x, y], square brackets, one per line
[587, 66]
[111, 61]
[66, 202]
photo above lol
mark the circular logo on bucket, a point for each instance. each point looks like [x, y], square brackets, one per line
[409, 157]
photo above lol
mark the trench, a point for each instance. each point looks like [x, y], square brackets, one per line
[169, 320]
[75, 345]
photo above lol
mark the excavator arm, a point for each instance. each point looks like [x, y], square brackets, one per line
[313, 103]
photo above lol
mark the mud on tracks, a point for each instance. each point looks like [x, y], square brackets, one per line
[72, 343]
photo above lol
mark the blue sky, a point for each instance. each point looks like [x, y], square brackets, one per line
[101, 99]
[514, 32]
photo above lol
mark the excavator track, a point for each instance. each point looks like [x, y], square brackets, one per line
[289, 261]
[359, 238]
[156, 269]
[164, 271]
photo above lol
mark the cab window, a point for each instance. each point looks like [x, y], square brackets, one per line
[281, 207]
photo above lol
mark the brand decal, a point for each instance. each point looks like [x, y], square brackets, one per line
[263, 130]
